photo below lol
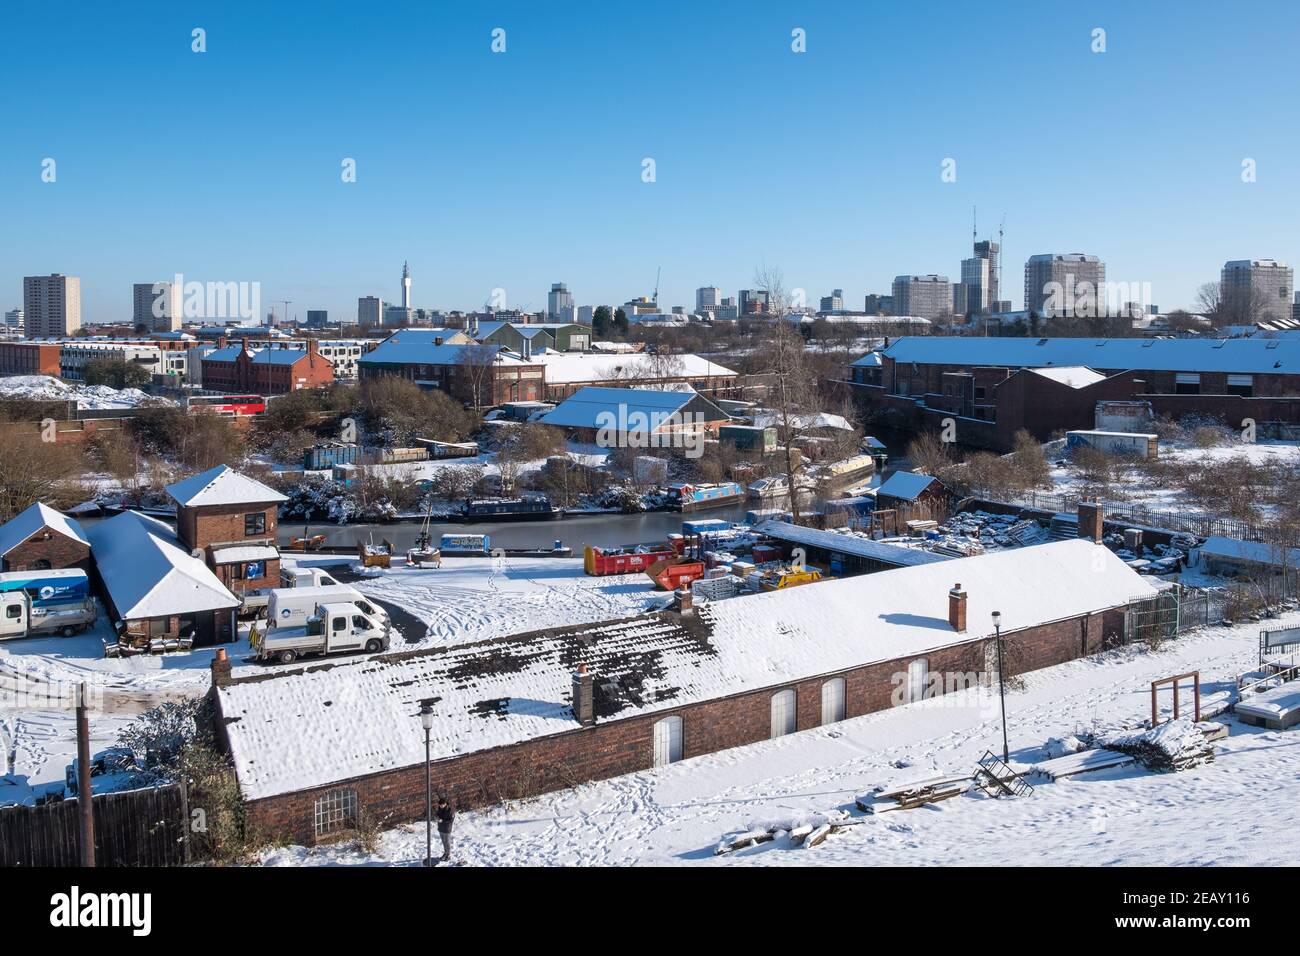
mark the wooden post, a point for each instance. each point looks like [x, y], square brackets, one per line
[1153, 703]
[85, 798]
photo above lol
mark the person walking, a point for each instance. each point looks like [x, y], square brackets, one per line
[445, 817]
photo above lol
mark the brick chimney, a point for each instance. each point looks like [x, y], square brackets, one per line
[1092, 523]
[584, 707]
[685, 602]
[222, 341]
[243, 343]
[220, 668]
[957, 608]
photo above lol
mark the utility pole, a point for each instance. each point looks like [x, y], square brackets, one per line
[85, 799]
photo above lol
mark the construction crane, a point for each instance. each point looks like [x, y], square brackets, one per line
[658, 272]
[286, 303]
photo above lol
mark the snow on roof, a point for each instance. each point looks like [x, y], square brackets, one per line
[31, 520]
[222, 485]
[818, 420]
[421, 350]
[148, 574]
[870, 360]
[570, 367]
[1256, 552]
[1250, 355]
[849, 543]
[249, 552]
[586, 407]
[906, 485]
[1073, 376]
[311, 726]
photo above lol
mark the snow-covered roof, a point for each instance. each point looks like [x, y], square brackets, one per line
[1250, 355]
[632, 408]
[1255, 552]
[148, 574]
[1072, 376]
[311, 726]
[817, 420]
[31, 520]
[870, 360]
[906, 485]
[247, 552]
[569, 367]
[222, 485]
[856, 545]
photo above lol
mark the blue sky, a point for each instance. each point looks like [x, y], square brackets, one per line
[519, 169]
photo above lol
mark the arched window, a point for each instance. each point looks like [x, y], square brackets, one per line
[918, 677]
[783, 713]
[668, 741]
[832, 700]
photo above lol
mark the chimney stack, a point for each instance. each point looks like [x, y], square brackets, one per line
[1092, 524]
[685, 602]
[220, 668]
[584, 707]
[957, 608]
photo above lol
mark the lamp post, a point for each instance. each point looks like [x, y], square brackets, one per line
[1002, 691]
[426, 721]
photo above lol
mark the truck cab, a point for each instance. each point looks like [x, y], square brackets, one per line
[45, 602]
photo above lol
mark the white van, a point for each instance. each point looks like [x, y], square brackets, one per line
[291, 607]
[292, 576]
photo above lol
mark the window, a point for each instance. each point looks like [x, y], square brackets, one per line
[339, 623]
[1241, 385]
[335, 811]
[255, 524]
[918, 676]
[832, 700]
[783, 713]
[14, 612]
[1187, 383]
[668, 741]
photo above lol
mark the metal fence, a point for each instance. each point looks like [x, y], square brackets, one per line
[1124, 512]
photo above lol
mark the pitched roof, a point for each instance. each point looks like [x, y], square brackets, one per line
[311, 726]
[590, 405]
[29, 521]
[148, 574]
[862, 547]
[906, 485]
[222, 485]
[1072, 376]
[406, 348]
[570, 367]
[1250, 355]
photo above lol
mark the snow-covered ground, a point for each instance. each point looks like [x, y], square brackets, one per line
[44, 388]
[1241, 809]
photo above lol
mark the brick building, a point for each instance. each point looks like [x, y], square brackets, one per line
[30, 358]
[42, 539]
[475, 375]
[315, 747]
[265, 371]
[231, 518]
[981, 383]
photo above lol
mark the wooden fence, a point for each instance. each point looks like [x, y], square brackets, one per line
[146, 827]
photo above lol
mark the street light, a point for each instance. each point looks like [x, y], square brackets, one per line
[426, 721]
[1002, 690]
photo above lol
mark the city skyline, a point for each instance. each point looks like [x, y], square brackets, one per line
[454, 172]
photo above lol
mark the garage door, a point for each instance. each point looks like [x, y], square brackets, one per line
[833, 700]
[782, 713]
[668, 741]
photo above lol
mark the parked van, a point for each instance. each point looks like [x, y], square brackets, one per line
[33, 603]
[292, 576]
[291, 607]
[332, 627]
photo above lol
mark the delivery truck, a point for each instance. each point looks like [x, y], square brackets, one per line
[35, 603]
[334, 627]
[291, 607]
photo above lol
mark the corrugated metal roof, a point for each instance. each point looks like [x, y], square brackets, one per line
[584, 408]
[411, 351]
[860, 547]
[1251, 356]
[906, 485]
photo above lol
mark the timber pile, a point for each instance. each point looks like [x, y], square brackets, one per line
[1174, 745]
[806, 832]
[915, 793]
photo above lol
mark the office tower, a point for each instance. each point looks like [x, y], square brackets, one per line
[960, 297]
[559, 303]
[156, 306]
[317, 318]
[707, 298]
[1255, 290]
[977, 285]
[753, 301]
[873, 304]
[928, 296]
[14, 320]
[1070, 284]
[992, 252]
[833, 302]
[51, 305]
[370, 311]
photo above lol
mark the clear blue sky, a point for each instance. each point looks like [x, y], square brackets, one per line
[524, 168]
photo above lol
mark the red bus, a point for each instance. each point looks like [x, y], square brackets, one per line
[228, 406]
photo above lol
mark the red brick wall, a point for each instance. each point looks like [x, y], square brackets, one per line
[60, 551]
[220, 524]
[616, 747]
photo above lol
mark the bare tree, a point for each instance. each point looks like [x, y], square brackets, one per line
[477, 363]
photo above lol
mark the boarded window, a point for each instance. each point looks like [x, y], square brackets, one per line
[783, 713]
[336, 811]
[833, 700]
[668, 741]
[918, 677]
